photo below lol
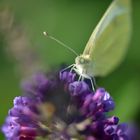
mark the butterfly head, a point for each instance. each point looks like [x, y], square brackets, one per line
[82, 60]
[83, 65]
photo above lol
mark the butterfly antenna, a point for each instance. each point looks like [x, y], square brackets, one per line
[60, 42]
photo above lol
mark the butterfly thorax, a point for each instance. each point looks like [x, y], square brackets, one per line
[83, 66]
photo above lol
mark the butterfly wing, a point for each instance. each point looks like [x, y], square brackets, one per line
[108, 42]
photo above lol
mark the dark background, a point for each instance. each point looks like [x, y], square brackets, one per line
[72, 22]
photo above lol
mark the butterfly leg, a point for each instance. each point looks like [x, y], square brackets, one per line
[67, 68]
[82, 78]
[79, 79]
[72, 68]
[92, 83]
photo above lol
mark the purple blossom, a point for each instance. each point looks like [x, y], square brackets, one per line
[38, 87]
[100, 101]
[11, 128]
[67, 77]
[62, 109]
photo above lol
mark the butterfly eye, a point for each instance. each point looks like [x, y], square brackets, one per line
[82, 60]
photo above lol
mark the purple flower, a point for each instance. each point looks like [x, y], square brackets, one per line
[78, 88]
[11, 129]
[23, 119]
[67, 77]
[98, 102]
[62, 109]
[38, 87]
[117, 131]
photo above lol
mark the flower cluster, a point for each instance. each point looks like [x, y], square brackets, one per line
[63, 109]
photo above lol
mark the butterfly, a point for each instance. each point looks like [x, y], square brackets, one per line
[107, 44]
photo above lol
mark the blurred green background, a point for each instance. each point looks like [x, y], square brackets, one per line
[72, 22]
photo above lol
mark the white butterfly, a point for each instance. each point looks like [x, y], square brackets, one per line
[107, 44]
